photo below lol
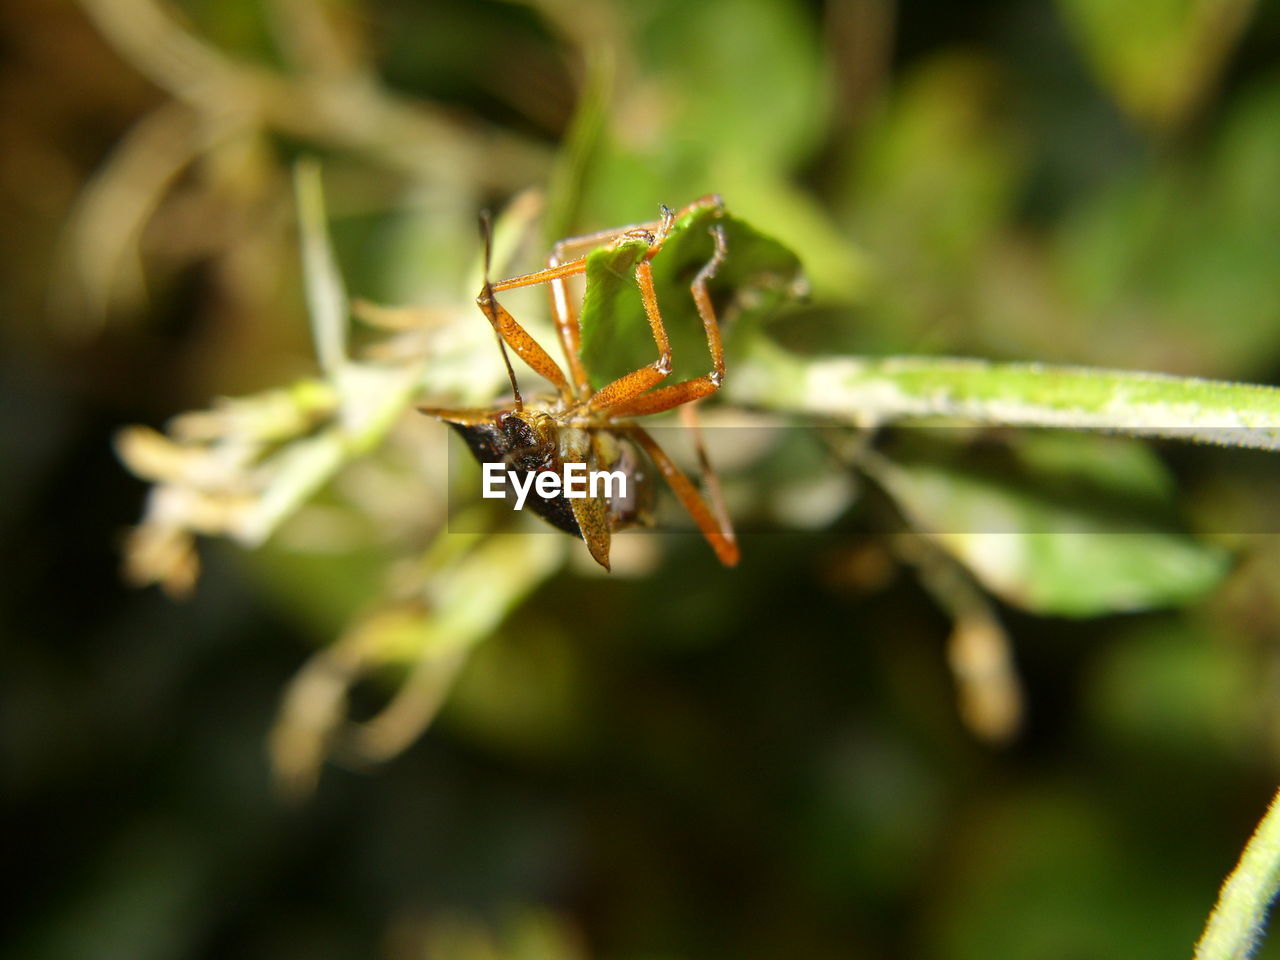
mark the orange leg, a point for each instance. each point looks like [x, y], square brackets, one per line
[563, 310]
[562, 306]
[625, 389]
[716, 529]
[666, 398]
[554, 272]
[566, 322]
[655, 229]
[710, 479]
[528, 349]
[634, 384]
[638, 381]
[590, 241]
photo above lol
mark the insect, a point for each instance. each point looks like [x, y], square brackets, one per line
[594, 428]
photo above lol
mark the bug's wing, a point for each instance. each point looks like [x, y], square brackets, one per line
[593, 520]
[591, 513]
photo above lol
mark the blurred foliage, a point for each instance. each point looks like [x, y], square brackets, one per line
[797, 757]
[1069, 528]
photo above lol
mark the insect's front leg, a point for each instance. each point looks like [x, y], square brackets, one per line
[669, 397]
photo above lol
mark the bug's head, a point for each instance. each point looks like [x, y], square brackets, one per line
[530, 438]
[521, 439]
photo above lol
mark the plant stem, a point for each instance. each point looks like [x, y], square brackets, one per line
[874, 391]
[1235, 927]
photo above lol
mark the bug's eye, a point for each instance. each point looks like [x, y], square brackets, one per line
[517, 432]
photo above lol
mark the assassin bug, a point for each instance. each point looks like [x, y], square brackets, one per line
[580, 425]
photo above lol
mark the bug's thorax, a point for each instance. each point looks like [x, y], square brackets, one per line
[538, 439]
[543, 439]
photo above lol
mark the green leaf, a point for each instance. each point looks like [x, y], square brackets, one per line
[757, 275]
[1056, 537]
[610, 321]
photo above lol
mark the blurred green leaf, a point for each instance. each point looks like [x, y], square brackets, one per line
[1146, 260]
[735, 113]
[580, 149]
[751, 83]
[1117, 465]
[1158, 58]
[749, 93]
[936, 174]
[1056, 538]
[1174, 689]
[1046, 872]
[934, 178]
[326, 292]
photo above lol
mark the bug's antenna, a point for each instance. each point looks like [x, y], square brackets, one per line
[486, 231]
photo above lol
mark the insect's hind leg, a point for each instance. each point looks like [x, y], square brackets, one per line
[669, 397]
[713, 523]
[567, 249]
[589, 241]
[556, 275]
